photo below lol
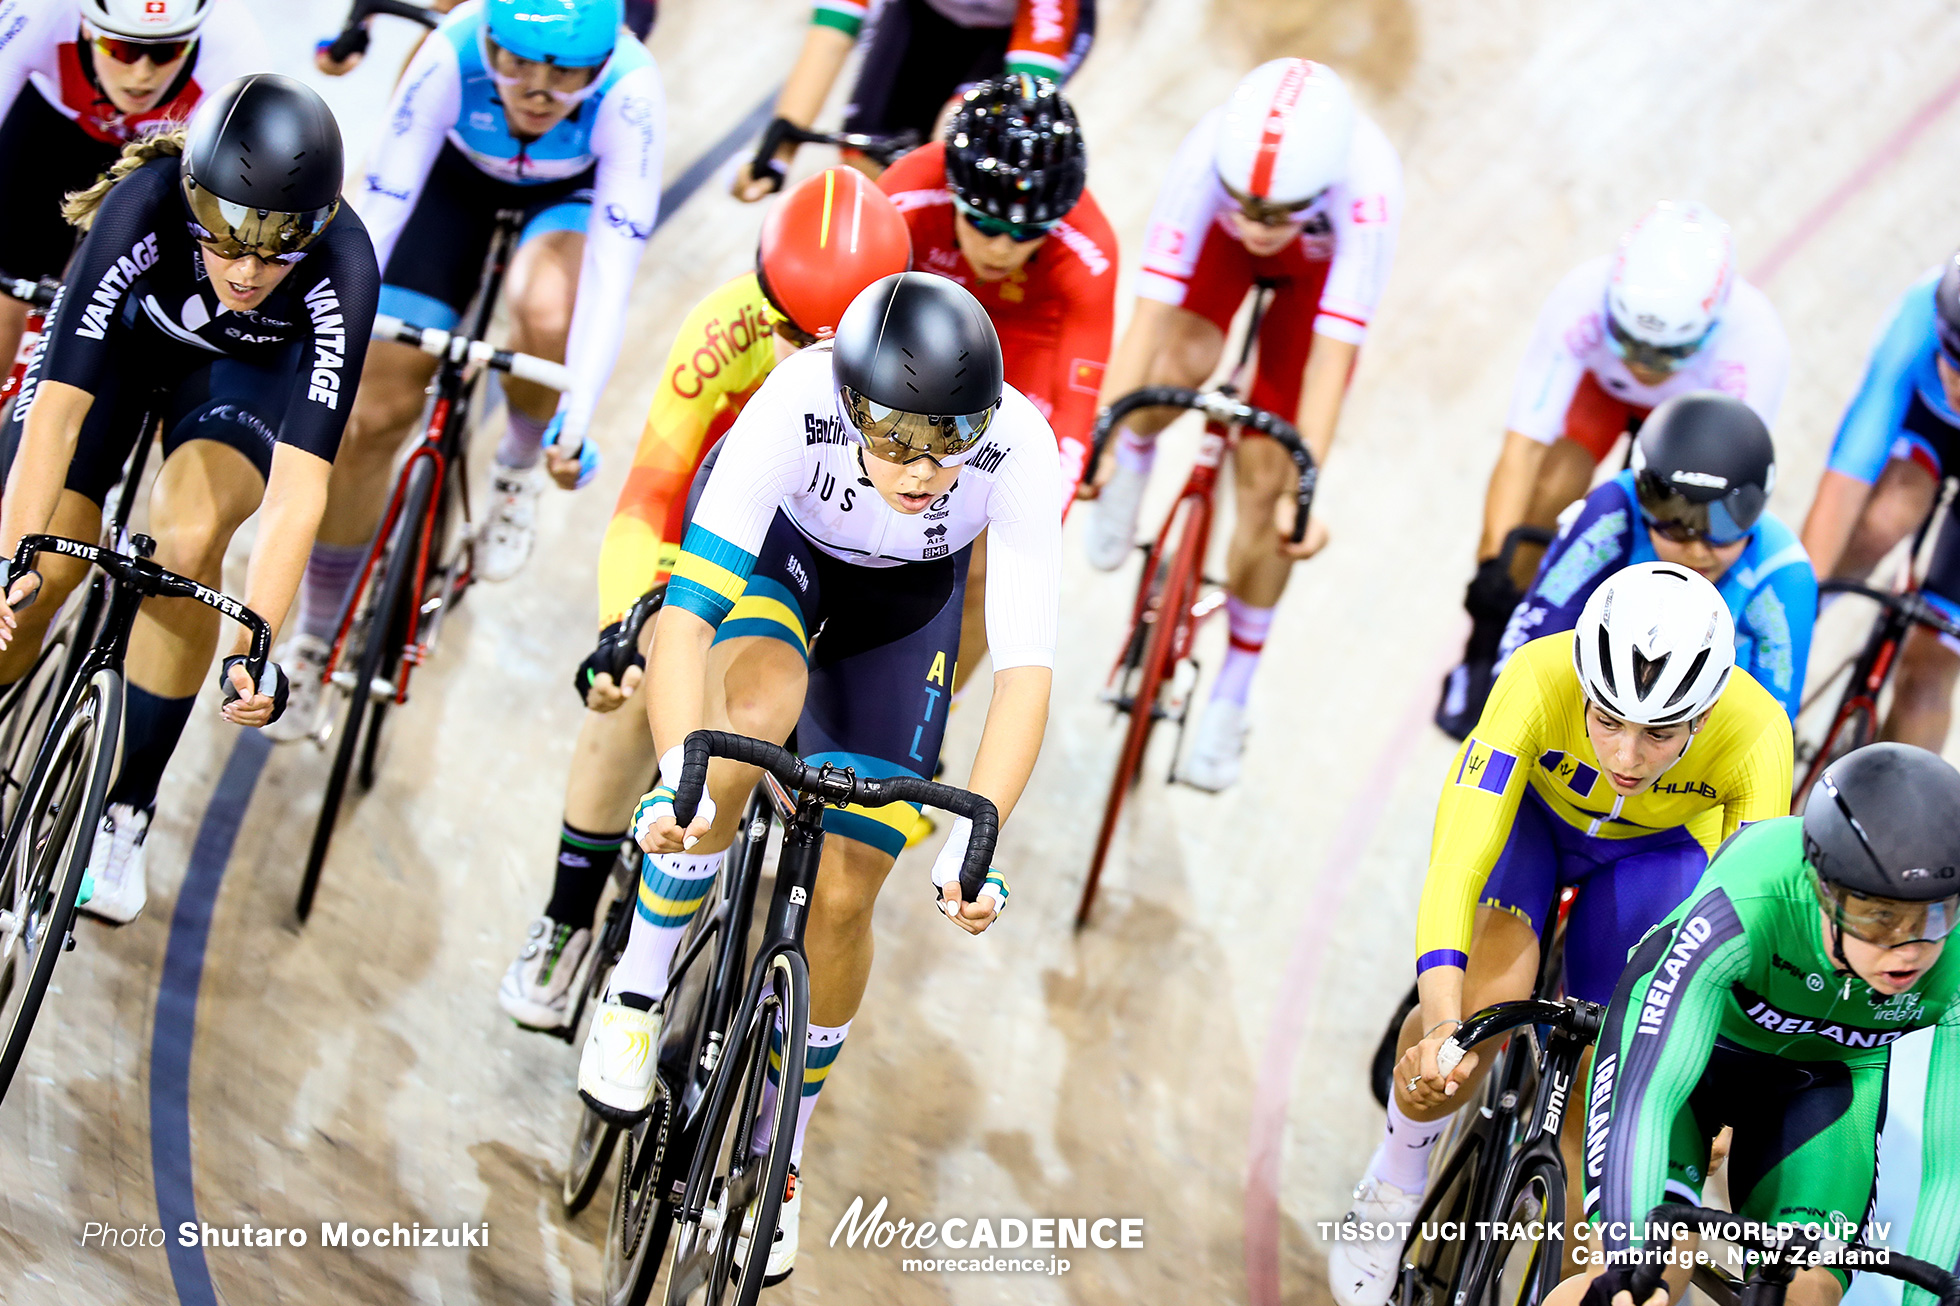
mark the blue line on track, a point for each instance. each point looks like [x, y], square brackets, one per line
[190, 924]
[176, 1020]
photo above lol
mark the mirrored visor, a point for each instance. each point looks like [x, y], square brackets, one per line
[898, 436]
[1887, 922]
[233, 230]
[1676, 517]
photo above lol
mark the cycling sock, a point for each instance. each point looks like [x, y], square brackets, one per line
[672, 888]
[1249, 626]
[1403, 1157]
[151, 727]
[825, 1042]
[331, 570]
[523, 440]
[583, 860]
[1134, 453]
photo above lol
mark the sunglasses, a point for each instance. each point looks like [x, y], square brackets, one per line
[1020, 233]
[1266, 213]
[1646, 357]
[896, 436]
[565, 85]
[126, 51]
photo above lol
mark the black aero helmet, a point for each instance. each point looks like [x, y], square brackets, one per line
[918, 368]
[262, 167]
[1884, 822]
[1946, 303]
[1014, 152]
[1703, 467]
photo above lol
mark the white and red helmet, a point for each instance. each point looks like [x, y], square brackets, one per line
[1670, 283]
[146, 20]
[1284, 138]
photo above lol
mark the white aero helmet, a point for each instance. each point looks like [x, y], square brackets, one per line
[146, 20]
[1670, 283]
[1284, 138]
[1655, 645]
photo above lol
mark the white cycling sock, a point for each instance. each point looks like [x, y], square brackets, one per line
[672, 888]
[1403, 1157]
[825, 1042]
[1134, 453]
[523, 442]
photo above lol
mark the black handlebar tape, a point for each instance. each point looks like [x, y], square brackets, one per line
[798, 775]
[353, 40]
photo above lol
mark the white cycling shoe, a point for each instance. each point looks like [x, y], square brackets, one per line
[537, 989]
[303, 657]
[1218, 754]
[617, 1067]
[782, 1252]
[1113, 519]
[511, 530]
[117, 864]
[1364, 1273]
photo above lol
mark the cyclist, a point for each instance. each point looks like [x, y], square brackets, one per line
[1664, 315]
[921, 53]
[220, 268]
[1611, 757]
[1702, 470]
[1896, 443]
[539, 105]
[832, 235]
[103, 72]
[820, 518]
[1288, 183]
[639, 16]
[1770, 1001]
[1001, 207]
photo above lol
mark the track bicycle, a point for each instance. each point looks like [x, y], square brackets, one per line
[51, 828]
[694, 1168]
[1775, 1261]
[1503, 1166]
[1155, 673]
[1857, 683]
[422, 558]
[881, 150]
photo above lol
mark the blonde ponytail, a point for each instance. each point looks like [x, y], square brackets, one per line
[79, 206]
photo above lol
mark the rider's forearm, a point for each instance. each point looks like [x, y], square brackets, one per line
[1440, 990]
[1012, 739]
[677, 677]
[824, 51]
[289, 518]
[1833, 516]
[1508, 497]
[1134, 362]
[41, 467]
[1329, 368]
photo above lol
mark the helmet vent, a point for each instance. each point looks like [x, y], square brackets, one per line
[1688, 681]
[1647, 672]
[1606, 661]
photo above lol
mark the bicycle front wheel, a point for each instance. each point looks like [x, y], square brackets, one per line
[27, 711]
[593, 1135]
[735, 1185]
[1161, 615]
[380, 652]
[46, 851]
[1519, 1269]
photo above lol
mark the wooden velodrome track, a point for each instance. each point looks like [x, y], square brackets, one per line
[1196, 1058]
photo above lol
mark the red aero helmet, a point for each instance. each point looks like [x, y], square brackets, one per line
[832, 235]
[1285, 132]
